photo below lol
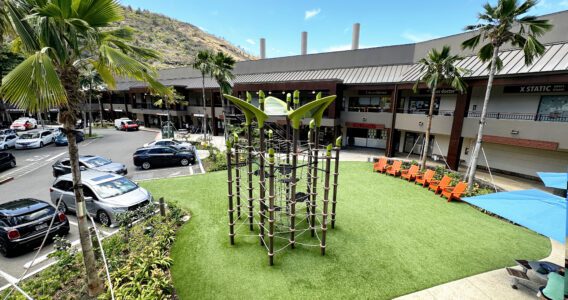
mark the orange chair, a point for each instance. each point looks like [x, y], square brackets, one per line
[394, 169]
[410, 174]
[380, 166]
[438, 186]
[454, 193]
[425, 178]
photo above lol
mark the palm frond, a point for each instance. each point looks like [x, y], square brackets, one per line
[471, 43]
[34, 84]
[100, 13]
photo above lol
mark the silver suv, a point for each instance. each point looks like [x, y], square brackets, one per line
[106, 195]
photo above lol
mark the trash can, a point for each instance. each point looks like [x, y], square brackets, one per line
[168, 131]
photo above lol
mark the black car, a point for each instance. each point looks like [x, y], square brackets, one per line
[160, 156]
[7, 160]
[89, 162]
[24, 224]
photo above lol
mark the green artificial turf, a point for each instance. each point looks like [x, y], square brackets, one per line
[391, 238]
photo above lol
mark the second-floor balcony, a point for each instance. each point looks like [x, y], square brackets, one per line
[549, 117]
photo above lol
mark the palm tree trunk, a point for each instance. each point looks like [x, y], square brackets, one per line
[204, 109]
[224, 114]
[476, 149]
[428, 128]
[101, 109]
[90, 108]
[70, 79]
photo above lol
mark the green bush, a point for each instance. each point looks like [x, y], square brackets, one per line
[139, 265]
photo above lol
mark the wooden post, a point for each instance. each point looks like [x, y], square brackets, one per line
[335, 180]
[309, 173]
[162, 207]
[271, 197]
[237, 175]
[293, 181]
[262, 187]
[313, 202]
[325, 198]
[231, 209]
[262, 179]
[249, 173]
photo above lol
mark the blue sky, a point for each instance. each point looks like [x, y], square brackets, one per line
[328, 22]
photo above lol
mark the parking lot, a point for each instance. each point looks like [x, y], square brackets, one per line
[33, 177]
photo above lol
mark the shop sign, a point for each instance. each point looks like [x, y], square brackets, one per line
[535, 88]
[374, 92]
[364, 125]
[438, 92]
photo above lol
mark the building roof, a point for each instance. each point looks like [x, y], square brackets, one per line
[554, 59]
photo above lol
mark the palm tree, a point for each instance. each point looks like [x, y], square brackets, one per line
[499, 25]
[222, 70]
[169, 99]
[91, 80]
[58, 39]
[203, 63]
[438, 68]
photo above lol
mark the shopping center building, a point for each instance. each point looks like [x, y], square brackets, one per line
[526, 130]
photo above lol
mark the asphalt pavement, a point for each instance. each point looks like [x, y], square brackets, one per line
[32, 178]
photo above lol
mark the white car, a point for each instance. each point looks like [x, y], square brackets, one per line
[172, 143]
[24, 123]
[35, 139]
[8, 141]
[118, 122]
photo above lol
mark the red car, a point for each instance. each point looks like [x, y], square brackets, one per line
[128, 125]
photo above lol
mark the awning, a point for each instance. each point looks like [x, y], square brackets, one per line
[554, 180]
[534, 209]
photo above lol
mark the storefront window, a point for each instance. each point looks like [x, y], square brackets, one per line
[553, 107]
[370, 103]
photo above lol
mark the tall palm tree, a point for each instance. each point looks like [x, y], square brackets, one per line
[58, 39]
[203, 63]
[222, 70]
[438, 68]
[90, 81]
[501, 24]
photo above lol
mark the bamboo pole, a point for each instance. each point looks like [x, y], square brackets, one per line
[337, 149]
[271, 206]
[295, 134]
[315, 177]
[249, 174]
[325, 198]
[231, 209]
[262, 179]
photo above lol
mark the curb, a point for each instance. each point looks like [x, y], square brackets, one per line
[6, 179]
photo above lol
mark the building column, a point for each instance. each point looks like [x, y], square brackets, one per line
[213, 118]
[390, 151]
[456, 140]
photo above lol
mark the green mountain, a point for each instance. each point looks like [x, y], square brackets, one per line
[177, 41]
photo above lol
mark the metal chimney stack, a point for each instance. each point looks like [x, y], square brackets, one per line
[304, 49]
[262, 48]
[355, 40]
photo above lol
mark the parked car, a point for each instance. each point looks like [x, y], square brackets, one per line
[24, 123]
[35, 139]
[162, 156]
[24, 224]
[125, 124]
[61, 139]
[89, 162]
[7, 160]
[8, 141]
[106, 195]
[8, 131]
[172, 143]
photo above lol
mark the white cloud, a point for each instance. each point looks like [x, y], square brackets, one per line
[418, 37]
[311, 13]
[202, 28]
[563, 3]
[251, 41]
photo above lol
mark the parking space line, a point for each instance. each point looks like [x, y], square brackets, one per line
[56, 156]
[74, 223]
[11, 279]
